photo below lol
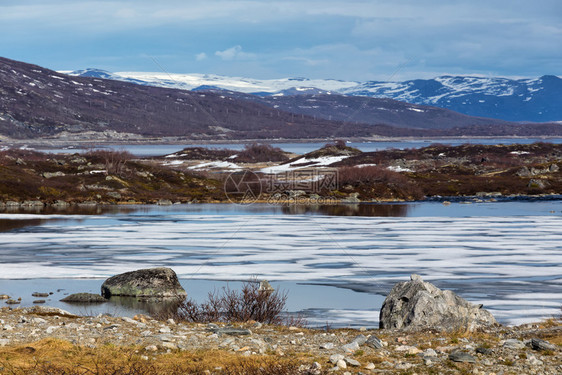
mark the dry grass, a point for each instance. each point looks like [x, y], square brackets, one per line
[57, 357]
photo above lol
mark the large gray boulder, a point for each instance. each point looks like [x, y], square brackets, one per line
[417, 304]
[152, 282]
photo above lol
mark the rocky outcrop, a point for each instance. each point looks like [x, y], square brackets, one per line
[416, 304]
[153, 282]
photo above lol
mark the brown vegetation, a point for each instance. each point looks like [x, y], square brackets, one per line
[231, 306]
[58, 357]
[257, 153]
[100, 176]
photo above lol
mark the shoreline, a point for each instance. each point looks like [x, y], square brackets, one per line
[43, 338]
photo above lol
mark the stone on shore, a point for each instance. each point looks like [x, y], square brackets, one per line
[84, 298]
[153, 282]
[417, 304]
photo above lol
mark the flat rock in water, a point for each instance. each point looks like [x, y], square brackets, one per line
[153, 282]
[84, 298]
[459, 356]
[417, 304]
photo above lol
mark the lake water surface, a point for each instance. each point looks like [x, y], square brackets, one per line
[302, 148]
[336, 263]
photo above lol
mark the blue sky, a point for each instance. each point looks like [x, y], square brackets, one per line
[349, 40]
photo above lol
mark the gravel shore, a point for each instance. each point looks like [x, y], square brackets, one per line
[527, 349]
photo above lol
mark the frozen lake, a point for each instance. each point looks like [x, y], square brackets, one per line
[336, 269]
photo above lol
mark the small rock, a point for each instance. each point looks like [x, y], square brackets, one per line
[234, 331]
[458, 356]
[429, 353]
[51, 329]
[351, 347]
[539, 344]
[39, 301]
[485, 351]
[341, 364]
[169, 345]
[513, 344]
[374, 342]
[4, 296]
[4, 342]
[327, 346]
[265, 286]
[403, 366]
[165, 330]
[370, 366]
[334, 358]
[352, 362]
[533, 361]
[151, 348]
[37, 294]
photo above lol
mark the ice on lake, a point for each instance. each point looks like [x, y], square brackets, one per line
[511, 264]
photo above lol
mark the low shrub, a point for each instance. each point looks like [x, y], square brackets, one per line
[258, 153]
[231, 306]
[114, 160]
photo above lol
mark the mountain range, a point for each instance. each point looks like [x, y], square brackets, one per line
[521, 100]
[38, 103]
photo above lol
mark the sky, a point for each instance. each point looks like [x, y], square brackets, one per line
[356, 40]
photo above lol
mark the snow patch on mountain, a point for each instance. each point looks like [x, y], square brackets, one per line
[521, 99]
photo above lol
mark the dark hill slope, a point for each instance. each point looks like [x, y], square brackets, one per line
[37, 102]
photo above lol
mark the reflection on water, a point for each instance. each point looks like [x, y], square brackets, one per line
[7, 225]
[151, 306]
[378, 210]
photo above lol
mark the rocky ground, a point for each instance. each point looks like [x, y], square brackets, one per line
[527, 349]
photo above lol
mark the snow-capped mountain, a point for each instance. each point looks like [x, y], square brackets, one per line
[536, 100]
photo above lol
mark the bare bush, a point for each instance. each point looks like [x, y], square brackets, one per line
[114, 160]
[249, 304]
[257, 153]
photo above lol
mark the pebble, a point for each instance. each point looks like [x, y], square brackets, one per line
[327, 346]
[370, 366]
[458, 356]
[341, 364]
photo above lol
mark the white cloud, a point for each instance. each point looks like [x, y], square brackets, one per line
[201, 56]
[234, 53]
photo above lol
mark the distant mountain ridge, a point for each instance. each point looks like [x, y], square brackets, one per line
[522, 100]
[38, 103]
